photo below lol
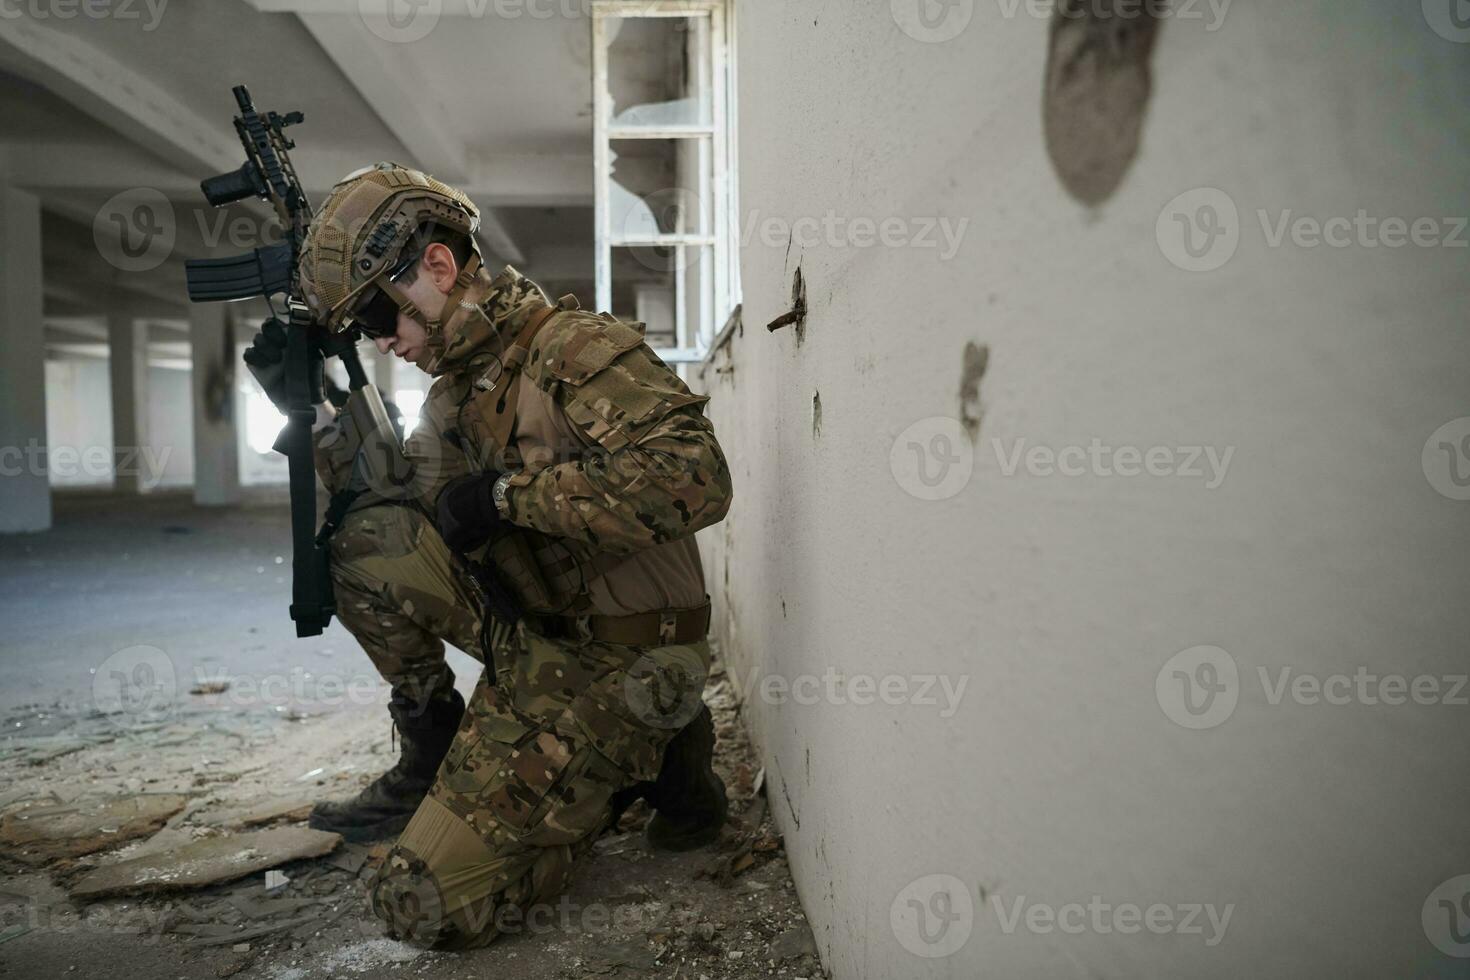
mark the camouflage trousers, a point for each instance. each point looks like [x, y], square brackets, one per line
[543, 747]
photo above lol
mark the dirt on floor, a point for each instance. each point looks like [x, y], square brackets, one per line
[158, 800]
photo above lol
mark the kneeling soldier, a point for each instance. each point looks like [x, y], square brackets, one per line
[560, 470]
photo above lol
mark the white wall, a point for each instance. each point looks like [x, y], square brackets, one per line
[1060, 777]
[79, 425]
[79, 422]
[171, 425]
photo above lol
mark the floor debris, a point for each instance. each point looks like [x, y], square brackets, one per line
[630, 912]
[38, 834]
[206, 862]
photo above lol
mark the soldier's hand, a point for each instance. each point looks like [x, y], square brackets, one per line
[467, 515]
[266, 359]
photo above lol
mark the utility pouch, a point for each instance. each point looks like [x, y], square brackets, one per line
[514, 556]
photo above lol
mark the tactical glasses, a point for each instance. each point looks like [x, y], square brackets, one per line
[375, 314]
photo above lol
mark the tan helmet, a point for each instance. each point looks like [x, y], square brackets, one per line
[359, 235]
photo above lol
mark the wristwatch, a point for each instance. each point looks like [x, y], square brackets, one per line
[497, 493]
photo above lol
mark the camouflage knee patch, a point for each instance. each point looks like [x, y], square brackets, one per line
[442, 887]
[394, 556]
[407, 897]
[401, 593]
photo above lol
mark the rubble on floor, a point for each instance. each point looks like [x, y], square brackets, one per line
[209, 861]
[724, 912]
[40, 832]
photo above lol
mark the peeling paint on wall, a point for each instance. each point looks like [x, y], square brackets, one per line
[817, 414]
[1098, 83]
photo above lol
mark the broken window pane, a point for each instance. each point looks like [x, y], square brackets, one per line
[659, 72]
[659, 187]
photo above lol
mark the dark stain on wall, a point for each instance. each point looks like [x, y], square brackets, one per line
[1098, 83]
[798, 304]
[817, 414]
[972, 412]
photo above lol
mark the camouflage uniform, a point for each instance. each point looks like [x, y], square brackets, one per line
[565, 722]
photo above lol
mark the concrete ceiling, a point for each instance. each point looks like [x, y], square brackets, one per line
[495, 98]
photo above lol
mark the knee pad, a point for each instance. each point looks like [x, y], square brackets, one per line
[407, 897]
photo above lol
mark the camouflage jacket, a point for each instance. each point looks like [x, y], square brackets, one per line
[609, 449]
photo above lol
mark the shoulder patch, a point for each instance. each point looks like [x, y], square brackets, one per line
[577, 345]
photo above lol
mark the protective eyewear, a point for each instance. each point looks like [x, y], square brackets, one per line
[375, 314]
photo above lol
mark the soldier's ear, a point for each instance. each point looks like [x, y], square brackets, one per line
[439, 262]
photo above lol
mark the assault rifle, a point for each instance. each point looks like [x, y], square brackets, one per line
[270, 271]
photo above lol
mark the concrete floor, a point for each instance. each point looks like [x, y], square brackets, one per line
[208, 588]
[112, 618]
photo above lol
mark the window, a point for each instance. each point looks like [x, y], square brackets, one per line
[663, 151]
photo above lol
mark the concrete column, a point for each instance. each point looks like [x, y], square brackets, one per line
[216, 425]
[127, 348]
[25, 491]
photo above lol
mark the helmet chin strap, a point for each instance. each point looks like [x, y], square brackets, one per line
[433, 328]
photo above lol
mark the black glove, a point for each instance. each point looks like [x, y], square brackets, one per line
[266, 359]
[468, 517]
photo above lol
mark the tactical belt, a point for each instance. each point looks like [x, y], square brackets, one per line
[651, 629]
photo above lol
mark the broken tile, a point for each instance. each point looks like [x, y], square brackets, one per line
[350, 858]
[14, 932]
[292, 810]
[41, 833]
[207, 862]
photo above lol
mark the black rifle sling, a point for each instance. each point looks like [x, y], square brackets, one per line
[312, 602]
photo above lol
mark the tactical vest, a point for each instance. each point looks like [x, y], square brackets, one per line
[551, 576]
